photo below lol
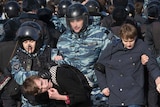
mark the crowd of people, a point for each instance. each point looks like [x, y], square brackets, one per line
[79, 53]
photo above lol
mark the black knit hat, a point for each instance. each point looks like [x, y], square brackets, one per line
[29, 5]
[153, 8]
[153, 11]
[119, 14]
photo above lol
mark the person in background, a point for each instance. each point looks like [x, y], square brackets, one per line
[62, 8]
[45, 14]
[139, 10]
[95, 15]
[151, 37]
[12, 11]
[108, 20]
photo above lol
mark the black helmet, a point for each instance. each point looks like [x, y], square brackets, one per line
[93, 7]
[45, 14]
[12, 9]
[77, 11]
[62, 7]
[30, 30]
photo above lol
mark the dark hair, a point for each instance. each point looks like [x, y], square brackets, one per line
[119, 13]
[29, 86]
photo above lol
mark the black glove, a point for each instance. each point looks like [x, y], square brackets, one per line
[45, 74]
[99, 67]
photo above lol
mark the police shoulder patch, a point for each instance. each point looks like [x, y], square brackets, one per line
[16, 66]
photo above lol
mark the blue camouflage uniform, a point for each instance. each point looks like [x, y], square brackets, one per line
[60, 23]
[95, 20]
[82, 51]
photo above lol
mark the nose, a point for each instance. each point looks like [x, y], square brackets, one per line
[128, 44]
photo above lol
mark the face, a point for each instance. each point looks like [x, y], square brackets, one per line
[29, 45]
[43, 84]
[128, 43]
[76, 25]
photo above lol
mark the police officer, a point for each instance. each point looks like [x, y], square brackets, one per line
[80, 47]
[32, 56]
[62, 8]
[94, 12]
[59, 19]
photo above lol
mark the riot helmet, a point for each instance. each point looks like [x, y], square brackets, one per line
[45, 14]
[12, 9]
[62, 7]
[30, 30]
[93, 8]
[77, 11]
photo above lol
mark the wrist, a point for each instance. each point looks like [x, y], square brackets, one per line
[67, 101]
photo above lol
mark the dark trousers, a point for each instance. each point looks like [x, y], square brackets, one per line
[153, 95]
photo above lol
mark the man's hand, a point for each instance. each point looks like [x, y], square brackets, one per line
[53, 93]
[158, 84]
[58, 57]
[144, 59]
[106, 91]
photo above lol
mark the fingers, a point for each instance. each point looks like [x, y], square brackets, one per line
[106, 91]
[144, 59]
[158, 88]
[58, 58]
